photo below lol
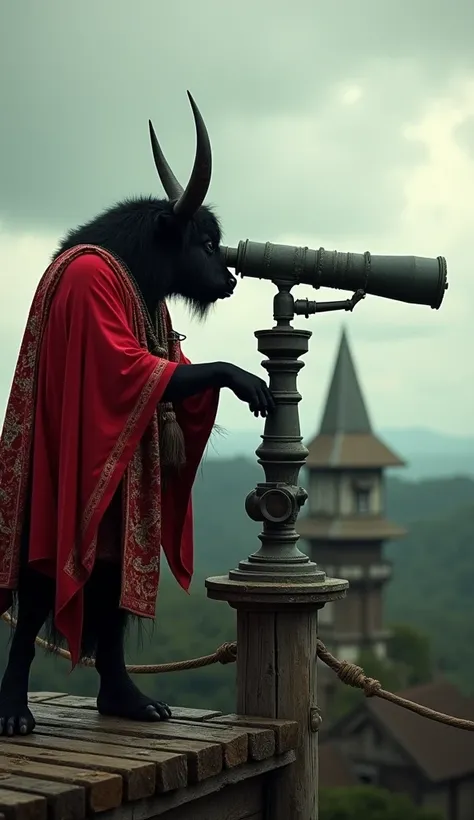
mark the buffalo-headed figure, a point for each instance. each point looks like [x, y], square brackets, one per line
[105, 427]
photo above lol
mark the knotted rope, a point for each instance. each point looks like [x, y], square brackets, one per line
[227, 653]
[353, 675]
[348, 673]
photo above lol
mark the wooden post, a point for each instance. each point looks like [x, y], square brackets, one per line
[276, 675]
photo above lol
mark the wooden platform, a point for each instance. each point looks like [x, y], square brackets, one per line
[78, 764]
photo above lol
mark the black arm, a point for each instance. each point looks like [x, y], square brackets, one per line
[189, 379]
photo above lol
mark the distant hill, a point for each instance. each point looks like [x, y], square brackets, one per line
[428, 453]
[433, 567]
[224, 534]
[411, 501]
[432, 588]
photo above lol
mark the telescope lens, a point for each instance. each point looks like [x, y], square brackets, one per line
[414, 279]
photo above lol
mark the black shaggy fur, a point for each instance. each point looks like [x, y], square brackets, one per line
[167, 258]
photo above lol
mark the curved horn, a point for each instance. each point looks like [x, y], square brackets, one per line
[193, 197]
[171, 185]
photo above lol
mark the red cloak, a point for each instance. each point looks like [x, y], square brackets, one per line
[81, 419]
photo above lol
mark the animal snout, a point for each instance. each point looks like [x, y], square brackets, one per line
[231, 281]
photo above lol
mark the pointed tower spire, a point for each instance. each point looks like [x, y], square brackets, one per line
[345, 410]
[345, 437]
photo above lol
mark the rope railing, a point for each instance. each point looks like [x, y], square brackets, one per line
[348, 673]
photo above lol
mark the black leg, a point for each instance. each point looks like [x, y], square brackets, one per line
[118, 695]
[35, 602]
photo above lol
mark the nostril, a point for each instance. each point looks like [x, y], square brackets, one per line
[232, 282]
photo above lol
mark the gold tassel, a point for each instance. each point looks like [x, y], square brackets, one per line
[172, 445]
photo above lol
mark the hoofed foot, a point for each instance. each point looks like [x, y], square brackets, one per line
[122, 698]
[15, 717]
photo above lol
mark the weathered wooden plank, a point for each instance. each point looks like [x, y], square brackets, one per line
[40, 697]
[65, 802]
[158, 806]
[236, 802]
[17, 806]
[261, 741]
[171, 770]
[103, 790]
[286, 731]
[234, 743]
[184, 713]
[78, 702]
[203, 759]
[139, 776]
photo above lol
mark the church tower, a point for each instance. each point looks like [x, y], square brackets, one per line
[345, 526]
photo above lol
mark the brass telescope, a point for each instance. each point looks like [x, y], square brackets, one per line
[414, 279]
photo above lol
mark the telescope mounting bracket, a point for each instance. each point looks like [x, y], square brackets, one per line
[306, 307]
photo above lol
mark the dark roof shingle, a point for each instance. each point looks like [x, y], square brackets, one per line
[350, 450]
[442, 752]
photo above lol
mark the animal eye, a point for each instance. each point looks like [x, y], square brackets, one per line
[209, 246]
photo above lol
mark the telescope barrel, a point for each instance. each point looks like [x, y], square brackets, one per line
[414, 279]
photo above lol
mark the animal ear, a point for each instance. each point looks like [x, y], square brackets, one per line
[164, 221]
[165, 224]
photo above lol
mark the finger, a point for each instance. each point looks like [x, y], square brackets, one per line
[268, 393]
[262, 402]
[270, 398]
[254, 402]
[259, 412]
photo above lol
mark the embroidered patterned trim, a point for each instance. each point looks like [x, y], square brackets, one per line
[111, 464]
[17, 433]
[142, 485]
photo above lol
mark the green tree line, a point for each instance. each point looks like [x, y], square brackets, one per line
[430, 593]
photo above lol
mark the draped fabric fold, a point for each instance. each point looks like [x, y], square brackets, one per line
[81, 426]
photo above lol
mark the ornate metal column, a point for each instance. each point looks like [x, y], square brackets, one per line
[277, 501]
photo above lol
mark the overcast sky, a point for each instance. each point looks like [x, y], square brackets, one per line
[343, 124]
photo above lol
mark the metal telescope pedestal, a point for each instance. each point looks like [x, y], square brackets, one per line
[277, 591]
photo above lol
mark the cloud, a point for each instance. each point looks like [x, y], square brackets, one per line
[78, 84]
[347, 125]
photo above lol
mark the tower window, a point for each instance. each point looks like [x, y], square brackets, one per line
[367, 774]
[362, 500]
